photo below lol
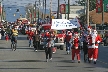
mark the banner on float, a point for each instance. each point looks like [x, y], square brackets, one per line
[60, 24]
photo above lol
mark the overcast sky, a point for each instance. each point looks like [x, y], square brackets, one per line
[25, 2]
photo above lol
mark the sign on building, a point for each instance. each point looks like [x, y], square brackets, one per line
[99, 6]
[105, 5]
[62, 8]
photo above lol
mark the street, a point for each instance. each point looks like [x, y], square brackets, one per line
[24, 59]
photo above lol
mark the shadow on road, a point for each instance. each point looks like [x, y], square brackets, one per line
[65, 61]
[24, 61]
[17, 48]
[22, 68]
[89, 67]
[58, 57]
[66, 66]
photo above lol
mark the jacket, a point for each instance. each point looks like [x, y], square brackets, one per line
[75, 43]
[30, 35]
[36, 38]
[15, 32]
[50, 44]
[93, 41]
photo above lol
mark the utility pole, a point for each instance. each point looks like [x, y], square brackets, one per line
[88, 12]
[50, 8]
[35, 10]
[38, 11]
[68, 8]
[102, 15]
[58, 9]
[45, 9]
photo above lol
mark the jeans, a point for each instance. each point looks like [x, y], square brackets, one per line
[48, 52]
[30, 42]
[68, 46]
[36, 45]
[14, 40]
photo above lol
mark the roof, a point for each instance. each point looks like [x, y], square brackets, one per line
[97, 17]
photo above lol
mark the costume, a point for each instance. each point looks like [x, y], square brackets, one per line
[75, 48]
[93, 41]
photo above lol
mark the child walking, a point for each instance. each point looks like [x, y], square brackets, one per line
[48, 49]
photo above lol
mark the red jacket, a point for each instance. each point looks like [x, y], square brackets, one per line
[76, 42]
[67, 38]
[98, 40]
[90, 41]
[30, 35]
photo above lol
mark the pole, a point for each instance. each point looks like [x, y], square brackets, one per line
[102, 16]
[38, 11]
[88, 12]
[65, 9]
[45, 9]
[50, 8]
[68, 8]
[58, 10]
[1, 11]
[35, 10]
[85, 11]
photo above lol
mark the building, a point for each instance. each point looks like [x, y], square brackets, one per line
[74, 11]
[96, 18]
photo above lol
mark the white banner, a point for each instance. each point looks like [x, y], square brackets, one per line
[60, 24]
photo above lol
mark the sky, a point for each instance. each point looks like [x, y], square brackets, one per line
[25, 2]
[20, 4]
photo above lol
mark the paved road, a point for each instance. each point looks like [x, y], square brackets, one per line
[24, 59]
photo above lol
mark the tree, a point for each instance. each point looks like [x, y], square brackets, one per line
[92, 4]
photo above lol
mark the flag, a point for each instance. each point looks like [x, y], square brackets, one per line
[99, 6]
[105, 2]
[75, 21]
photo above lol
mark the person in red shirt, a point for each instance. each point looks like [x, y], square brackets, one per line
[75, 47]
[30, 37]
[67, 40]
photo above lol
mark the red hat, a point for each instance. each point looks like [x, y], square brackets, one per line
[89, 28]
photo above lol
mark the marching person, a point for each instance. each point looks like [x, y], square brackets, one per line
[67, 40]
[36, 39]
[48, 49]
[30, 36]
[89, 38]
[85, 46]
[93, 51]
[75, 48]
